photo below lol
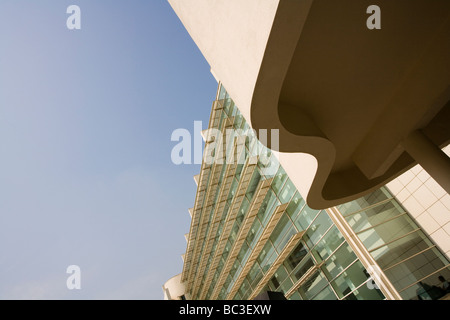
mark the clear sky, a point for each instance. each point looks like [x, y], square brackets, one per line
[86, 176]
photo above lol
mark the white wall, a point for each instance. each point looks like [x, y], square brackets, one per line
[173, 289]
[427, 203]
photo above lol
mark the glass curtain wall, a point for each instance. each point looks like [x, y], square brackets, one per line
[321, 266]
[407, 256]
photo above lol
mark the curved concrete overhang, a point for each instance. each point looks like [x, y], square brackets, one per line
[343, 97]
[173, 289]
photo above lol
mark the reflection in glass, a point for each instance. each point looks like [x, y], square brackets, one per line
[350, 279]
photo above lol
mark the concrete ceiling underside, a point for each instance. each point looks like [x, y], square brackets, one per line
[339, 93]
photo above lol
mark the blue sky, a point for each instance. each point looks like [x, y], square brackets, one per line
[86, 118]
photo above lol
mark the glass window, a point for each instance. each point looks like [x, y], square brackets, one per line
[287, 192]
[387, 232]
[284, 240]
[243, 252]
[266, 252]
[274, 284]
[286, 285]
[255, 281]
[313, 285]
[295, 206]
[253, 184]
[267, 207]
[295, 296]
[254, 146]
[279, 276]
[339, 261]
[330, 242]
[363, 202]
[234, 268]
[279, 180]
[238, 172]
[428, 288]
[267, 163]
[253, 273]
[234, 231]
[302, 268]
[267, 263]
[227, 249]
[305, 218]
[326, 294]
[254, 233]
[238, 121]
[222, 92]
[365, 292]
[242, 211]
[373, 216]
[295, 257]
[317, 228]
[416, 268]
[401, 249]
[280, 231]
[244, 288]
[350, 279]
[235, 109]
[233, 188]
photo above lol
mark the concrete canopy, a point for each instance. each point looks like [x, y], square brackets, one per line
[348, 101]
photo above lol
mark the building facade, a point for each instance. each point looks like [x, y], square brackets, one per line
[340, 210]
[252, 232]
[355, 107]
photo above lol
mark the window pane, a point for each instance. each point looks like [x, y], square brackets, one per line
[281, 228]
[267, 163]
[278, 277]
[363, 202]
[305, 218]
[267, 263]
[427, 289]
[339, 261]
[302, 268]
[243, 252]
[401, 249]
[373, 216]
[233, 188]
[313, 286]
[295, 206]
[317, 229]
[328, 244]
[286, 285]
[366, 293]
[326, 294]
[386, 232]
[266, 252]
[254, 233]
[350, 279]
[287, 192]
[222, 92]
[253, 272]
[267, 207]
[284, 240]
[295, 257]
[416, 268]
[279, 180]
[234, 268]
[255, 282]
[253, 184]
[295, 296]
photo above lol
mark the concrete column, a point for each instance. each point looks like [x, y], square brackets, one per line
[432, 159]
